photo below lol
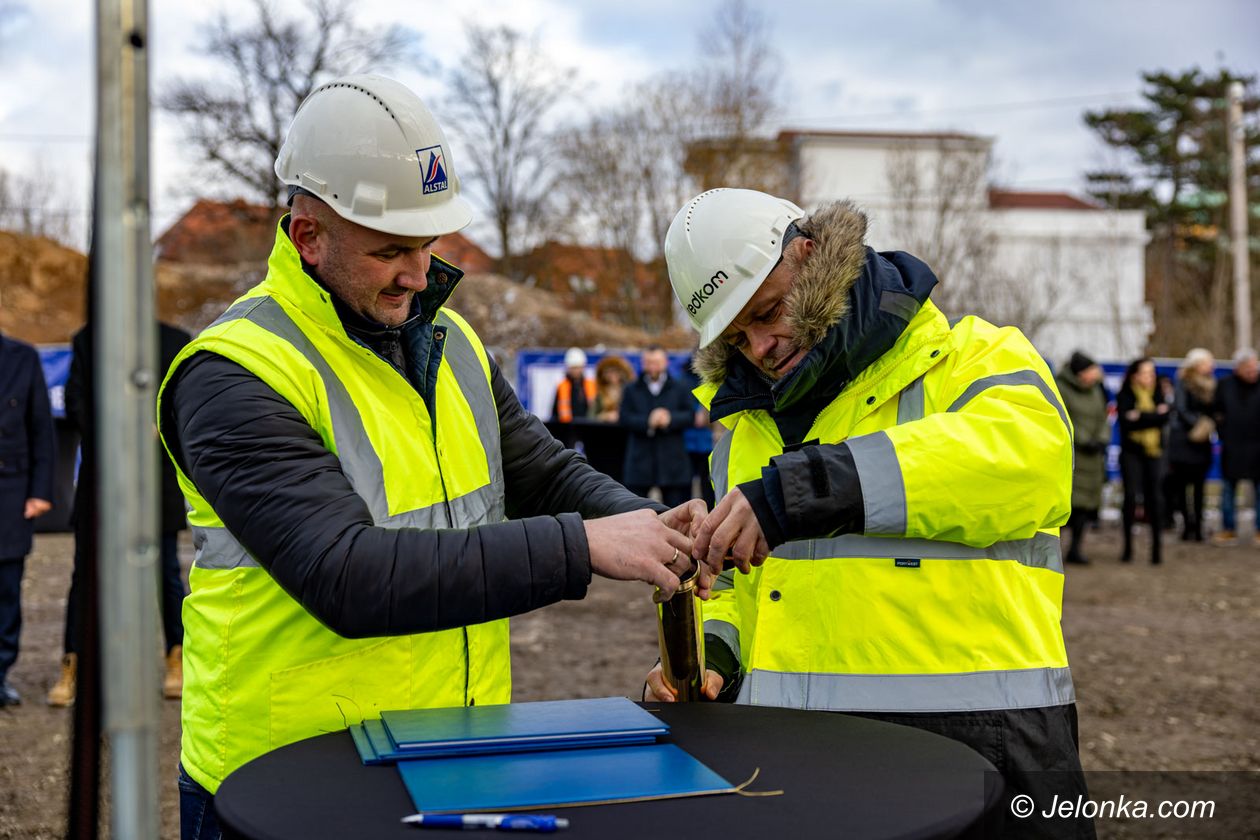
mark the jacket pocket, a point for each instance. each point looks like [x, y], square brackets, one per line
[330, 694]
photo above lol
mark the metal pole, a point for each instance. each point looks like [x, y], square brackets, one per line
[126, 338]
[1238, 217]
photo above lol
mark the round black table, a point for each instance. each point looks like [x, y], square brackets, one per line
[842, 776]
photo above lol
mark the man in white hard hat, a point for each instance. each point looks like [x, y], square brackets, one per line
[897, 482]
[368, 499]
[575, 395]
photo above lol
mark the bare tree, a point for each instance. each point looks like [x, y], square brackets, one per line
[682, 131]
[35, 204]
[602, 195]
[237, 121]
[734, 99]
[502, 92]
[938, 213]
[1036, 290]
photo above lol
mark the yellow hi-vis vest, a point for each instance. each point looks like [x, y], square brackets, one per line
[950, 601]
[259, 670]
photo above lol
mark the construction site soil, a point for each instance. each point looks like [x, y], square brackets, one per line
[1164, 659]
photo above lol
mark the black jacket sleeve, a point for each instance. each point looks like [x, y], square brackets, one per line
[543, 477]
[812, 491]
[265, 471]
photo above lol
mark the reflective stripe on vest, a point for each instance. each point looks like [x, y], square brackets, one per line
[217, 548]
[980, 691]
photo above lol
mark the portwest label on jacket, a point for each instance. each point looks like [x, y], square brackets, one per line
[951, 599]
[259, 670]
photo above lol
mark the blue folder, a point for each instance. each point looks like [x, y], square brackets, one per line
[375, 746]
[544, 725]
[529, 780]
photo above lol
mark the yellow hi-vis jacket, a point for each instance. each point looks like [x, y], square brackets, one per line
[951, 599]
[259, 670]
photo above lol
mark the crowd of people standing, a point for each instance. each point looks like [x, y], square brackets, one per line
[1167, 430]
[667, 432]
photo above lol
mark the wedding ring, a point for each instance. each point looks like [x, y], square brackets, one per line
[674, 559]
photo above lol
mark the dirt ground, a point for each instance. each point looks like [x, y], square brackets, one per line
[1164, 659]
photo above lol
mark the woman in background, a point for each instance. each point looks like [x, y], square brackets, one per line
[611, 375]
[1142, 414]
[1190, 438]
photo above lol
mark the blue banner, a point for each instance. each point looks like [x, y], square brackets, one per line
[55, 359]
[539, 371]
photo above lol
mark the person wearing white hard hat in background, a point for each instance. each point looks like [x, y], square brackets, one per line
[575, 395]
[891, 488]
[368, 499]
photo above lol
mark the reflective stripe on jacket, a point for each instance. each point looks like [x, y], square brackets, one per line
[259, 670]
[951, 598]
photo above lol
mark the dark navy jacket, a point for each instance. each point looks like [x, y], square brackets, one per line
[657, 459]
[26, 444]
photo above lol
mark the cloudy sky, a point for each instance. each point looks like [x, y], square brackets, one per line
[1020, 72]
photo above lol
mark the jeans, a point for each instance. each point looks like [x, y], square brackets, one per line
[170, 588]
[1229, 518]
[197, 819]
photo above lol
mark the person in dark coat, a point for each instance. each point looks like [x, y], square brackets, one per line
[1080, 384]
[171, 521]
[27, 452]
[1142, 414]
[1238, 423]
[657, 410]
[1190, 439]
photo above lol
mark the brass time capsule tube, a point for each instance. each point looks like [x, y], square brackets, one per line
[678, 629]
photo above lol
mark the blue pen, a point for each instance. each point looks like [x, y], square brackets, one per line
[500, 822]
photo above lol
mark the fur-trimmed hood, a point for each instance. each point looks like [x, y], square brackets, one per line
[849, 305]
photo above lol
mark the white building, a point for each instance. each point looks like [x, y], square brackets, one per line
[1067, 272]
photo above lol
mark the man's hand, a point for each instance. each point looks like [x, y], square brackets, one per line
[659, 418]
[638, 546]
[686, 520]
[36, 507]
[731, 529]
[662, 692]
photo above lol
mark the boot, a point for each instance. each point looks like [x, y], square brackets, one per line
[62, 694]
[173, 683]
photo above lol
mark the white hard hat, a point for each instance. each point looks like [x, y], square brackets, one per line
[369, 148]
[574, 357]
[720, 248]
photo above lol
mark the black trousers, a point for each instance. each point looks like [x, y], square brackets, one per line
[1036, 751]
[11, 569]
[1141, 475]
[170, 588]
[1077, 522]
[1191, 478]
